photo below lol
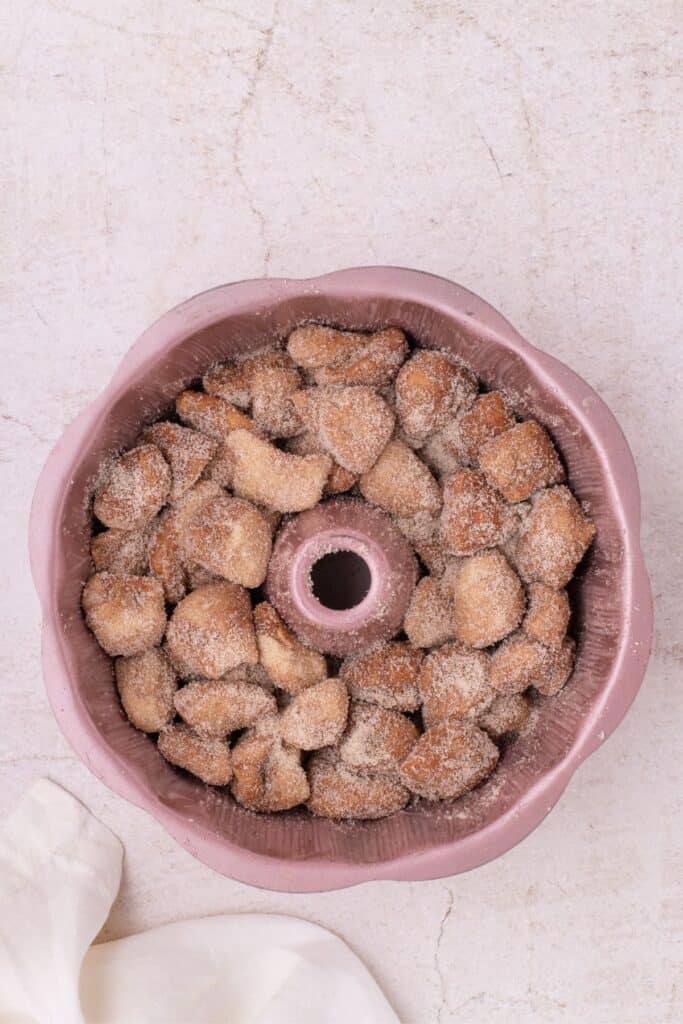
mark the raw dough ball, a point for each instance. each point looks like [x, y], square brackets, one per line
[521, 460]
[133, 489]
[187, 452]
[547, 616]
[290, 664]
[166, 555]
[211, 631]
[231, 538]
[386, 675]
[350, 358]
[211, 415]
[376, 739]
[120, 551]
[429, 619]
[518, 663]
[339, 479]
[506, 715]
[267, 775]
[127, 614]
[401, 483]
[430, 388]
[448, 760]
[339, 792]
[316, 717]
[488, 417]
[553, 539]
[266, 382]
[488, 599]
[216, 708]
[558, 669]
[147, 684]
[207, 758]
[454, 683]
[472, 516]
[276, 479]
[352, 424]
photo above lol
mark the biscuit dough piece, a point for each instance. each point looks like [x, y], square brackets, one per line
[127, 614]
[211, 631]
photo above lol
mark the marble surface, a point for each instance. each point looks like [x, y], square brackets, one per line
[532, 153]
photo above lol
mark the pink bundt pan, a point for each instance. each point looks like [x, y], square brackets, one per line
[612, 618]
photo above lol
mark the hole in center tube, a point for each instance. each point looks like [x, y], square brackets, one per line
[340, 580]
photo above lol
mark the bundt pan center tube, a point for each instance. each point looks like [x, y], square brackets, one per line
[612, 619]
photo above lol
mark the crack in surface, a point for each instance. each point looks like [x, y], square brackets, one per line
[247, 103]
[437, 960]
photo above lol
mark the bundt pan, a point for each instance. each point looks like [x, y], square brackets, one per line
[612, 618]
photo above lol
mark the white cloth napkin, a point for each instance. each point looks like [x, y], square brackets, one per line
[59, 874]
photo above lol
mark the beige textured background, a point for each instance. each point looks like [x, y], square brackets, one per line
[529, 149]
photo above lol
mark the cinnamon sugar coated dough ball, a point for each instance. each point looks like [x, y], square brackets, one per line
[212, 631]
[558, 668]
[507, 714]
[429, 619]
[166, 556]
[339, 792]
[553, 539]
[210, 415]
[348, 357]
[339, 479]
[430, 389]
[290, 664]
[234, 381]
[276, 479]
[187, 452]
[521, 460]
[386, 676]
[377, 739]
[400, 483]
[231, 538]
[352, 424]
[316, 717]
[267, 776]
[216, 708]
[454, 683]
[472, 516]
[147, 684]
[207, 758]
[448, 760]
[423, 534]
[133, 489]
[518, 663]
[120, 551]
[488, 417]
[547, 616]
[488, 599]
[127, 614]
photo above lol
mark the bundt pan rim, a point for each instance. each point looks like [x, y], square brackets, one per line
[426, 842]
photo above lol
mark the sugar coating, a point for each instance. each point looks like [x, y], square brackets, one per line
[230, 538]
[558, 668]
[268, 775]
[188, 452]
[472, 516]
[290, 664]
[120, 551]
[430, 389]
[127, 614]
[333, 415]
[428, 621]
[547, 615]
[375, 363]
[166, 555]
[553, 539]
[488, 416]
[454, 683]
[314, 346]
[505, 715]
[219, 707]
[520, 460]
[401, 484]
[518, 663]
[488, 599]
[211, 415]
[376, 739]
[147, 684]
[274, 478]
[339, 479]
[206, 757]
[448, 760]
[386, 676]
[339, 792]
[316, 717]
[133, 488]
[211, 631]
